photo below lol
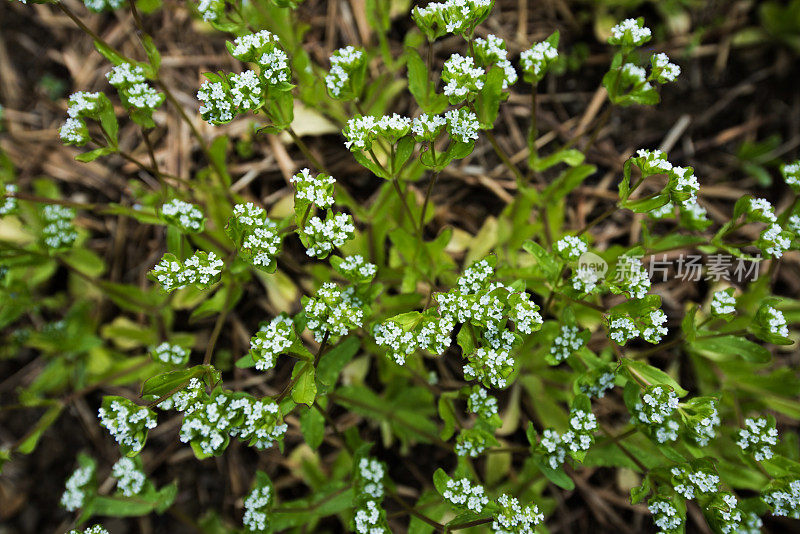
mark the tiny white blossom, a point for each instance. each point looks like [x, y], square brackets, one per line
[130, 479]
[757, 438]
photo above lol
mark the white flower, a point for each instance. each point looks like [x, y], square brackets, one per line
[9, 203]
[317, 190]
[256, 507]
[217, 107]
[210, 9]
[481, 403]
[463, 125]
[74, 132]
[343, 62]
[665, 515]
[538, 58]
[552, 447]
[323, 236]
[663, 70]
[774, 243]
[690, 483]
[598, 387]
[169, 353]
[461, 78]
[791, 174]
[368, 519]
[492, 367]
[186, 216]
[784, 499]
[401, 344]
[776, 322]
[74, 496]
[130, 479]
[657, 411]
[653, 329]
[272, 340]
[633, 277]
[462, 493]
[513, 518]
[629, 32]
[356, 265]
[723, 303]
[246, 90]
[580, 435]
[127, 422]
[247, 46]
[58, 231]
[757, 438]
[371, 473]
[95, 529]
[275, 67]
[566, 342]
[333, 310]
[585, 279]
[571, 247]
[83, 104]
[492, 51]
[705, 428]
[622, 329]
[762, 208]
[428, 127]
[125, 74]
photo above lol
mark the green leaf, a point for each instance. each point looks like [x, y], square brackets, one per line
[94, 154]
[567, 181]
[652, 375]
[724, 348]
[312, 425]
[30, 441]
[571, 156]
[164, 383]
[304, 390]
[488, 102]
[334, 360]
[440, 480]
[153, 56]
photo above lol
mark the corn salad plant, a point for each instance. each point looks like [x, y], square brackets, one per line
[499, 374]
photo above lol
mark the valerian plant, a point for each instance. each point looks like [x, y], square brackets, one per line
[524, 362]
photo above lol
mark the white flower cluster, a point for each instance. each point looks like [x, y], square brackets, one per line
[130, 478]
[662, 70]
[784, 498]
[567, 342]
[369, 479]
[775, 322]
[537, 60]
[451, 16]
[202, 269]
[629, 32]
[481, 403]
[757, 438]
[126, 422]
[653, 329]
[81, 105]
[760, 209]
[58, 231]
[431, 333]
[551, 447]
[356, 269]
[101, 5]
[344, 63]
[210, 10]
[428, 127]
[665, 516]
[323, 236]
[723, 303]
[463, 80]
[256, 508]
[95, 529]
[462, 493]
[260, 240]
[168, 353]
[75, 493]
[598, 384]
[217, 105]
[622, 329]
[471, 442]
[317, 190]
[793, 223]
[705, 427]
[512, 518]
[580, 435]
[9, 203]
[272, 340]
[334, 310]
[222, 415]
[658, 411]
[724, 511]
[184, 215]
[791, 174]
[490, 366]
[246, 91]
[362, 131]
[186, 400]
[369, 519]
[492, 51]
[774, 242]
[252, 46]
[692, 482]
[571, 247]
[585, 279]
[633, 277]
[129, 80]
[751, 524]
[462, 125]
